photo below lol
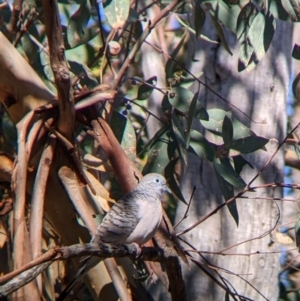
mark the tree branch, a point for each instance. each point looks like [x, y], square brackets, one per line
[30, 271]
[66, 121]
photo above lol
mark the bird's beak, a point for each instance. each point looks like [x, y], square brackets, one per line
[167, 189]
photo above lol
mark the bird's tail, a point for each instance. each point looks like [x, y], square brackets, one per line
[88, 263]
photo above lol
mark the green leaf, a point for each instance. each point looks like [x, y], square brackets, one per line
[158, 153]
[125, 133]
[239, 163]
[277, 10]
[245, 19]
[201, 147]
[157, 137]
[170, 176]
[297, 231]
[296, 52]
[215, 121]
[292, 8]
[169, 69]
[220, 33]
[145, 90]
[172, 148]
[201, 113]
[224, 168]
[179, 138]
[231, 2]
[180, 98]
[295, 88]
[117, 12]
[228, 193]
[199, 18]
[240, 130]
[259, 37]
[249, 144]
[226, 14]
[227, 129]
[165, 104]
[85, 74]
[9, 130]
[77, 32]
[187, 81]
[137, 29]
[191, 114]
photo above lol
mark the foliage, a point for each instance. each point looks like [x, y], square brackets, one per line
[88, 29]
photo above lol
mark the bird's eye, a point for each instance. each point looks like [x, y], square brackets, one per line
[157, 180]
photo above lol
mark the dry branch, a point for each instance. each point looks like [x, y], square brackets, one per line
[59, 65]
[16, 279]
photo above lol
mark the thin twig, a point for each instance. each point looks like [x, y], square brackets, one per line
[12, 27]
[140, 41]
[188, 207]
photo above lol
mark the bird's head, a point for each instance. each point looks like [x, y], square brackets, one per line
[156, 182]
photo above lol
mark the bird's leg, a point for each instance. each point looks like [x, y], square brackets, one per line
[139, 249]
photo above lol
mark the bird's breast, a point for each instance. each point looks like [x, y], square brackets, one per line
[149, 215]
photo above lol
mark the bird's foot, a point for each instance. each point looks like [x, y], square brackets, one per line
[138, 248]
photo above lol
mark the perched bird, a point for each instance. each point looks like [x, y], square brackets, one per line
[133, 219]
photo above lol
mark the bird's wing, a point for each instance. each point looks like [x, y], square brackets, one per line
[119, 222]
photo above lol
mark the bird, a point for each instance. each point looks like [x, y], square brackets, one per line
[132, 219]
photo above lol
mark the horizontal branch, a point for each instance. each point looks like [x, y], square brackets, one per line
[30, 271]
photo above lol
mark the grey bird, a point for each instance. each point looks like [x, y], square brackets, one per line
[133, 219]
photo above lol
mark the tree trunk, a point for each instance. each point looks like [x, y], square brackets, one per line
[261, 94]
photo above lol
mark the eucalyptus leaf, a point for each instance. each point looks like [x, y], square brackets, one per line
[158, 154]
[296, 87]
[200, 146]
[224, 168]
[169, 69]
[245, 19]
[259, 37]
[9, 130]
[248, 144]
[220, 33]
[292, 8]
[145, 90]
[199, 18]
[179, 137]
[215, 121]
[227, 129]
[239, 163]
[226, 14]
[172, 148]
[125, 133]
[85, 74]
[228, 193]
[191, 114]
[180, 98]
[77, 31]
[117, 12]
[296, 52]
[160, 135]
[172, 182]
